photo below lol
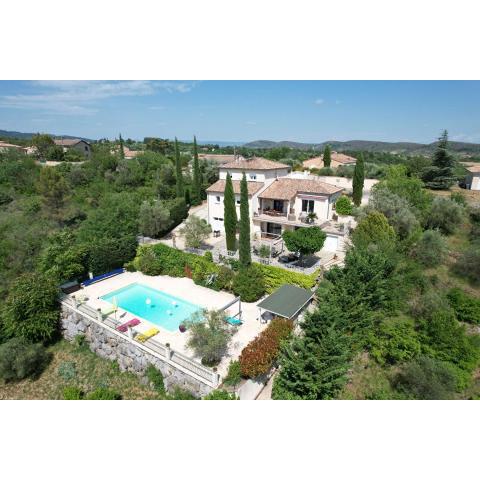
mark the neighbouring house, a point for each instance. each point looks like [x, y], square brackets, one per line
[127, 153]
[75, 143]
[277, 200]
[472, 180]
[8, 147]
[218, 158]
[337, 160]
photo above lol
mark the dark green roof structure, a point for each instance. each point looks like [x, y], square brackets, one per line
[287, 301]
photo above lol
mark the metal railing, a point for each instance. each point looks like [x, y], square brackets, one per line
[151, 346]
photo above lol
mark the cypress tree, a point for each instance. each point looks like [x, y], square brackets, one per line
[230, 215]
[244, 238]
[122, 151]
[187, 197]
[327, 156]
[178, 171]
[358, 180]
[197, 184]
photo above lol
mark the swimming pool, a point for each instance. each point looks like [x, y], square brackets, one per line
[153, 305]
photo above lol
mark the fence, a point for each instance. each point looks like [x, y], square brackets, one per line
[151, 346]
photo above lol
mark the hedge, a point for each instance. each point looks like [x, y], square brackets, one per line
[160, 259]
[258, 356]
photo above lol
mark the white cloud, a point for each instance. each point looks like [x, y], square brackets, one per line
[80, 97]
[250, 122]
[156, 107]
[466, 137]
[319, 101]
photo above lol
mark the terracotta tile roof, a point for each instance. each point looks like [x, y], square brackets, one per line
[219, 187]
[473, 168]
[255, 163]
[68, 142]
[287, 188]
[317, 162]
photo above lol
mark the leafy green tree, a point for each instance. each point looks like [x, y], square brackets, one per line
[374, 228]
[178, 171]
[305, 241]
[343, 206]
[195, 231]
[230, 215]
[53, 187]
[440, 175]
[197, 181]
[121, 150]
[105, 254]
[55, 153]
[154, 218]
[31, 309]
[327, 156]
[209, 335]
[42, 142]
[358, 181]
[245, 254]
[431, 249]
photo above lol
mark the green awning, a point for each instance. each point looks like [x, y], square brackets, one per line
[287, 301]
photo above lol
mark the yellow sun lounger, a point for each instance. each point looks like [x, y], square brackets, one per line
[143, 337]
[108, 310]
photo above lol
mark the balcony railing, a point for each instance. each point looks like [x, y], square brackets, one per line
[273, 213]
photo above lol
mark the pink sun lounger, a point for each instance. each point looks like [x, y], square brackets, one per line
[131, 323]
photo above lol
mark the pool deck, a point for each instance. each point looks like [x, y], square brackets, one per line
[186, 289]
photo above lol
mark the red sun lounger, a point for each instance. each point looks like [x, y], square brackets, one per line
[131, 323]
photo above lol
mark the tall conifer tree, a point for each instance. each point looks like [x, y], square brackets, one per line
[230, 215]
[244, 238]
[197, 185]
[327, 156]
[122, 151]
[178, 172]
[358, 180]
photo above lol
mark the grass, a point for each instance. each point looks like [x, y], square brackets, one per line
[91, 372]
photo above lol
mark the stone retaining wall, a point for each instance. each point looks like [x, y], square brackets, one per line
[130, 358]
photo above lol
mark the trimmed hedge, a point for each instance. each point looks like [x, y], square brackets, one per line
[160, 259]
[258, 356]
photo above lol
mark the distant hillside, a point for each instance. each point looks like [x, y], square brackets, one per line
[371, 146]
[28, 136]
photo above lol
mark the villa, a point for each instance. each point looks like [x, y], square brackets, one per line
[472, 180]
[278, 200]
[75, 143]
[337, 160]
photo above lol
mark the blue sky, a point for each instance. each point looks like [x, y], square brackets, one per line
[305, 111]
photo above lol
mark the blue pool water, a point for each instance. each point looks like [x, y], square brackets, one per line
[153, 305]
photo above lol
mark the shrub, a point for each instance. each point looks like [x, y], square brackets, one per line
[72, 393]
[445, 214]
[234, 375]
[155, 377]
[103, 393]
[208, 256]
[249, 284]
[468, 265]
[373, 228]
[195, 231]
[258, 356]
[31, 309]
[147, 262]
[67, 370]
[180, 394]
[467, 308]
[224, 278]
[427, 379]
[20, 359]
[431, 250]
[275, 277]
[394, 342]
[459, 198]
[220, 395]
[343, 206]
[209, 335]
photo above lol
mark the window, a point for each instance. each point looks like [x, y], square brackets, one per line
[86, 148]
[217, 198]
[253, 176]
[218, 219]
[307, 205]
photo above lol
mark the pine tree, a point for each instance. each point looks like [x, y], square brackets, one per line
[327, 156]
[122, 151]
[244, 237]
[197, 182]
[358, 181]
[178, 171]
[230, 215]
[440, 175]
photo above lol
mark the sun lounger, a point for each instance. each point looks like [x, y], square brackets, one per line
[131, 323]
[108, 310]
[143, 337]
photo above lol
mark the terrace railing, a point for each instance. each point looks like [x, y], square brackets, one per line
[151, 346]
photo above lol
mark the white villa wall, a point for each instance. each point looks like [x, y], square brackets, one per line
[474, 181]
[254, 175]
[216, 209]
[323, 205]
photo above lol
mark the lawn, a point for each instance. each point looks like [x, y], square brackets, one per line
[90, 372]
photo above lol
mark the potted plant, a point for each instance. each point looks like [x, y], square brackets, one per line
[311, 217]
[182, 327]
